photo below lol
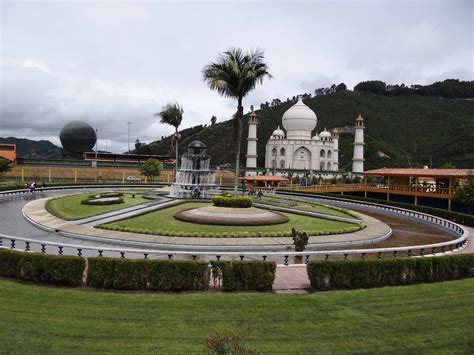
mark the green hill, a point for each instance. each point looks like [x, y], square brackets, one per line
[411, 130]
[27, 148]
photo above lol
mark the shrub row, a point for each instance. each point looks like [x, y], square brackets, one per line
[158, 275]
[244, 275]
[102, 201]
[232, 201]
[274, 234]
[350, 274]
[107, 194]
[51, 269]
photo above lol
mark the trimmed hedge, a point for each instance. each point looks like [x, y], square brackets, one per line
[232, 201]
[350, 274]
[44, 268]
[244, 275]
[159, 275]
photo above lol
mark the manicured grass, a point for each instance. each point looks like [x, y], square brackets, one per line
[163, 220]
[70, 207]
[427, 318]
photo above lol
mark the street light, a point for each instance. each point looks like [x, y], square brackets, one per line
[128, 141]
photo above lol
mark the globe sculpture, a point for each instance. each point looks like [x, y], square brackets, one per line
[194, 179]
[77, 137]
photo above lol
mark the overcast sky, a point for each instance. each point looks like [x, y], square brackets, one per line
[109, 63]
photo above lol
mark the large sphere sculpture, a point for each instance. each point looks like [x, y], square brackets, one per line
[77, 137]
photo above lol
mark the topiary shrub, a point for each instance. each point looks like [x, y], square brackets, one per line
[232, 201]
[244, 275]
[43, 268]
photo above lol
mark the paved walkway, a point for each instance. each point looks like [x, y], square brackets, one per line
[291, 279]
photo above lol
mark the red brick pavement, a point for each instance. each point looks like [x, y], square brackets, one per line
[292, 277]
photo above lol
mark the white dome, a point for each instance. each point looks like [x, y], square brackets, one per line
[299, 117]
[315, 138]
[278, 132]
[325, 134]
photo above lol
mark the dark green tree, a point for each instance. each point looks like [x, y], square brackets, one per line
[151, 168]
[172, 114]
[376, 87]
[4, 165]
[341, 87]
[465, 193]
[235, 74]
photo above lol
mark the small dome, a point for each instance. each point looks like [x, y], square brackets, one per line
[315, 138]
[325, 134]
[278, 132]
[299, 117]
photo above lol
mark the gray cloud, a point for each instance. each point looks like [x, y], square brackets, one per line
[111, 63]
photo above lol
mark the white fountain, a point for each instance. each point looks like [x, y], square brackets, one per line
[194, 179]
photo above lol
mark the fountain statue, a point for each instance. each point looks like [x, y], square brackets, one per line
[194, 179]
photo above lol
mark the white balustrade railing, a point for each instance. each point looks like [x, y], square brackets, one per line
[441, 248]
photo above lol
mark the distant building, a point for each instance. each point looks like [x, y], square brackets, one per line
[297, 149]
[8, 151]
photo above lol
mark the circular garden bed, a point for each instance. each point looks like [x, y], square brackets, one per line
[249, 216]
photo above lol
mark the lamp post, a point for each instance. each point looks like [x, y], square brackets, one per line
[96, 148]
[128, 140]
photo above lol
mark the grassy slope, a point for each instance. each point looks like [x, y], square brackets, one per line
[70, 207]
[163, 219]
[429, 318]
[415, 126]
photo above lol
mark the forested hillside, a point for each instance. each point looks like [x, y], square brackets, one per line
[401, 131]
[27, 148]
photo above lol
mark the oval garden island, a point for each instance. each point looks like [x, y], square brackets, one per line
[235, 223]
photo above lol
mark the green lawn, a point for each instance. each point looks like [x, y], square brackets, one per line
[70, 207]
[429, 318]
[163, 220]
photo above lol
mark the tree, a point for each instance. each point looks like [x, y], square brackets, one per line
[341, 87]
[465, 193]
[213, 120]
[4, 165]
[172, 114]
[151, 168]
[376, 87]
[234, 74]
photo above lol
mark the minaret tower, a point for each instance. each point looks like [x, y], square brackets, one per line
[358, 159]
[251, 165]
[335, 156]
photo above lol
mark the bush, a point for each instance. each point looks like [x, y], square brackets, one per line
[186, 275]
[232, 201]
[350, 274]
[51, 269]
[159, 275]
[244, 275]
[102, 201]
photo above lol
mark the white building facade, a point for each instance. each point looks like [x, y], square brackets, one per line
[298, 149]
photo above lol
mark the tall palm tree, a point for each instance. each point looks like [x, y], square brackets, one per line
[234, 74]
[172, 114]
